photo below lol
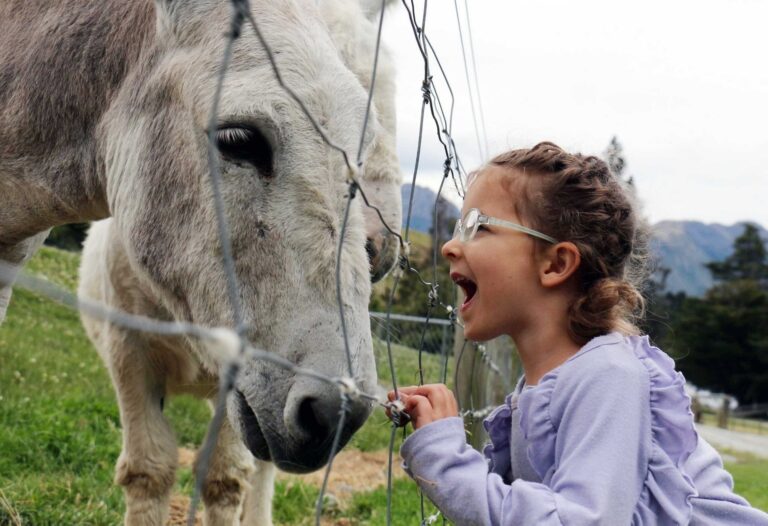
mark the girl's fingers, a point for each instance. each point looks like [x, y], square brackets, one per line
[416, 402]
[411, 389]
[424, 390]
[420, 410]
[441, 398]
[426, 403]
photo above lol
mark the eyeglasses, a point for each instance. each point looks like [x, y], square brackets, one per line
[467, 228]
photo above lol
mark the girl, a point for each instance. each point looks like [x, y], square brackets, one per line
[599, 430]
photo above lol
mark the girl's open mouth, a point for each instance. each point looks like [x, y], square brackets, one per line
[468, 286]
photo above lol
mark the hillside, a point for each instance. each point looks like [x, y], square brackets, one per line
[423, 207]
[686, 246]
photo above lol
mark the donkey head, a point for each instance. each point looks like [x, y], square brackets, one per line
[284, 196]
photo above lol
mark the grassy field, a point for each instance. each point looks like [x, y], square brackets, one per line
[60, 429]
[750, 477]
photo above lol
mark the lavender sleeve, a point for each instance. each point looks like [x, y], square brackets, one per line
[589, 425]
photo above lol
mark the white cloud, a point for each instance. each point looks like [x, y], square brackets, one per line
[683, 84]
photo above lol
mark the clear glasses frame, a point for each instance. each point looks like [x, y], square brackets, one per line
[466, 228]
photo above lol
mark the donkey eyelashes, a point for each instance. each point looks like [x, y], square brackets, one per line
[245, 144]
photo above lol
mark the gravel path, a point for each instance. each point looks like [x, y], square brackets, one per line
[735, 440]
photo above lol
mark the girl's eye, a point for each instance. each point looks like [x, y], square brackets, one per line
[245, 144]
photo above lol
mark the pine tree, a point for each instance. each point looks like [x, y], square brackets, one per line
[749, 260]
[614, 156]
[724, 336]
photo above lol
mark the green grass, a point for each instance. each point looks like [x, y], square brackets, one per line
[750, 478]
[406, 366]
[60, 426]
[59, 422]
[295, 505]
[60, 429]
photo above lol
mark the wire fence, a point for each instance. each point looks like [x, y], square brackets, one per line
[435, 333]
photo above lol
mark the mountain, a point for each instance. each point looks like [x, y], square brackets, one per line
[682, 246]
[423, 207]
[686, 246]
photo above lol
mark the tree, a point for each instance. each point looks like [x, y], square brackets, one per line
[724, 336]
[660, 304]
[426, 283]
[661, 307]
[614, 156]
[748, 261]
[443, 221]
[68, 237]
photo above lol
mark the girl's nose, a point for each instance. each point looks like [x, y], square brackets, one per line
[451, 249]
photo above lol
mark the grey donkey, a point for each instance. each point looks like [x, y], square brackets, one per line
[104, 112]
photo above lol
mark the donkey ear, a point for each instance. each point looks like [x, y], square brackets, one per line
[372, 8]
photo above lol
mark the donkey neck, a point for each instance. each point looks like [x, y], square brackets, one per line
[61, 64]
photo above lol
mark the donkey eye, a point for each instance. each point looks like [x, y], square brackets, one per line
[243, 144]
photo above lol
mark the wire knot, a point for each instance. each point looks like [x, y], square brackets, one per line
[224, 344]
[447, 166]
[426, 91]
[397, 413]
[353, 187]
[433, 295]
[406, 253]
[452, 317]
[403, 263]
[348, 387]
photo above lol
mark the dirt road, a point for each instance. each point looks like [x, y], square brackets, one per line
[735, 440]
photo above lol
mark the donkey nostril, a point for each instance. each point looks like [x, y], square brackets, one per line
[311, 419]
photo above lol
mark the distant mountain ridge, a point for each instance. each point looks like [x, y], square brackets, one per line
[682, 246]
[686, 246]
[423, 207]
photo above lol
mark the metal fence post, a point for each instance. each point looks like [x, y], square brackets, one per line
[485, 373]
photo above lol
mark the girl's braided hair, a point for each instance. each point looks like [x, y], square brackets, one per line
[576, 198]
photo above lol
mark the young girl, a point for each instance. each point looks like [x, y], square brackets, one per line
[599, 430]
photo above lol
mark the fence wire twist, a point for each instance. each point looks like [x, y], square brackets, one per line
[232, 346]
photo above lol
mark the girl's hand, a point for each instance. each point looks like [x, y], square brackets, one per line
[427, 403]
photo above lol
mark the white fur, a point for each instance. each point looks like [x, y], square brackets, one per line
[286, 274]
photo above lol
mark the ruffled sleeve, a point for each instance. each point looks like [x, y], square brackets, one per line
[537, 426]
[608, 432]
[616, 415]
[671, 416]
[498, 425]
[668, 488]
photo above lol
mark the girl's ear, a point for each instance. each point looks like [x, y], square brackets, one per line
[558, 263]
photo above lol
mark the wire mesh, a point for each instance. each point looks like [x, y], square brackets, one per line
[232, 344]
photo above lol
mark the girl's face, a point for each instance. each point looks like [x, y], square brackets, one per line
[497, 269]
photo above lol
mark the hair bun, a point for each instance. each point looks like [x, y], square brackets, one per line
[609, 304]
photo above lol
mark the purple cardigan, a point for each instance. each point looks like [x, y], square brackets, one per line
[605, 438]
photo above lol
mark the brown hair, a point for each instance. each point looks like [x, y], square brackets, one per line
[576, 198]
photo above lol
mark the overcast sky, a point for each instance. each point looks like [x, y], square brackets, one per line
[682, 83]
